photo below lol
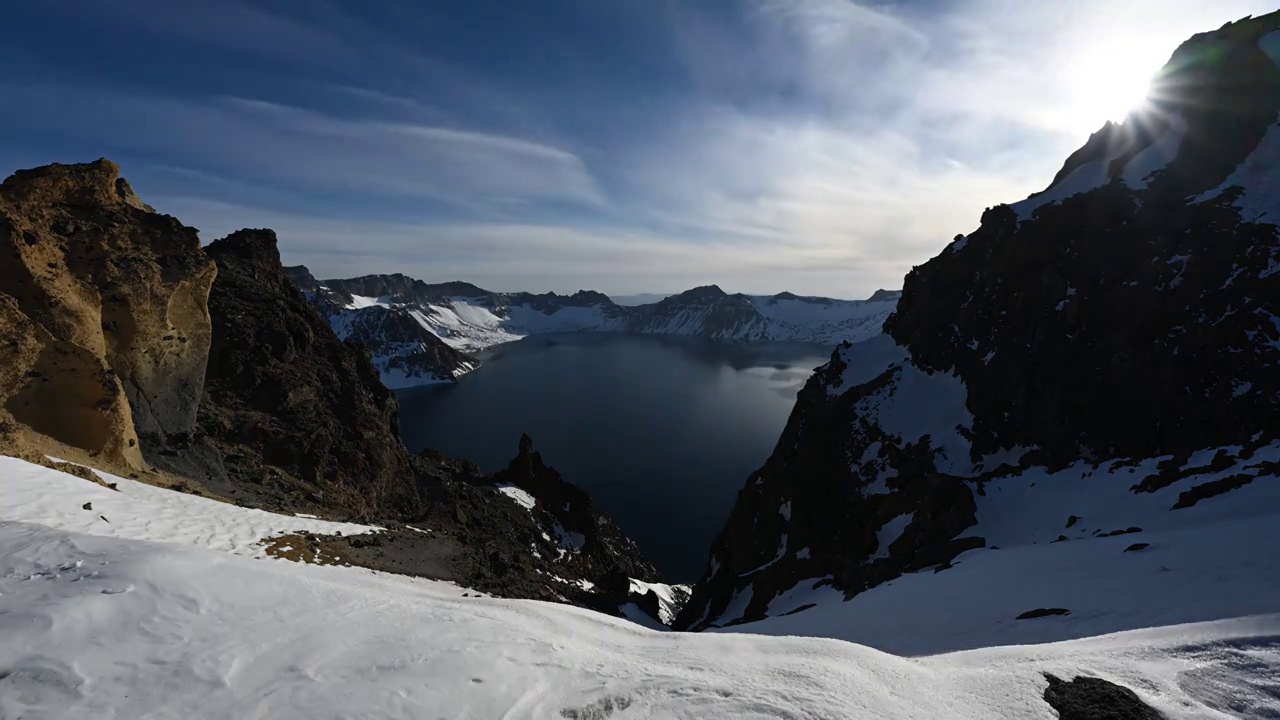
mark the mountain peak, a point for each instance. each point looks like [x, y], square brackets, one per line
[1209, 108]
[701, 293]
[77, 184]
[883, 295]
[302, 277]
[256, 246]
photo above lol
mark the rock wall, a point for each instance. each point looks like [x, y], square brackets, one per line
[92, 266]
[286, 401]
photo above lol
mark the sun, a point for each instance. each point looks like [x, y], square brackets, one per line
[1109, 81]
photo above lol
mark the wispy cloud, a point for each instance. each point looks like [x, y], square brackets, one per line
[820, 146]
[258, 140]
[548, 256]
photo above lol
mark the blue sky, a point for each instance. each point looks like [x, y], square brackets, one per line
[818, 146]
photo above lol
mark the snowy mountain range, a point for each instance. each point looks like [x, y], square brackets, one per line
[1071, 415]
[420, 333]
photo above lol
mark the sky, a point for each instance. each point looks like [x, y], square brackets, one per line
[822, 147]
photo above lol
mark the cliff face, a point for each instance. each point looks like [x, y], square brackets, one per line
[286, 402]
[1125, 320]
[1152, 294]
[115, 296]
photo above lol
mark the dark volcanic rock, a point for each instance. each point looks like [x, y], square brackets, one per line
[1042, 612]
[1090, 698]
[600, 544]
[1129, 299]
[810, 496]
[287, 405]
[1210, 489]
[299, 275]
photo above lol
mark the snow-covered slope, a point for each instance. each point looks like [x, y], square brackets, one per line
[107, 626]
[468, 319]
[1072, 408]
[137, 511]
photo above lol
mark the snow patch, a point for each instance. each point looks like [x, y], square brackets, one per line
[866, 360]
[1089, 176]
[359, 302]
[737, 606]
[521, 497]
[136, 511]
[1157, 155]
[918, 403]
[1260, 201]
[668, 604]
[889, 533]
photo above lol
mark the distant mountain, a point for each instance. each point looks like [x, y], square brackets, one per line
[638, 298]
[420, 333]
[1099, 360]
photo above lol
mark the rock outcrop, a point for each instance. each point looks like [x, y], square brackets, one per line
[1129, 311]
[405, 352]
[114, 297]
[287, 406]
[1091, 698]
[593, 539]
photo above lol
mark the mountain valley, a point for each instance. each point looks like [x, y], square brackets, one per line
[1040, 481]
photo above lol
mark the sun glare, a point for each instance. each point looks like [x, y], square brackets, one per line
[1109, 81]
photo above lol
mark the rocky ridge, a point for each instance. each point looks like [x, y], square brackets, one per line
[1117, 333]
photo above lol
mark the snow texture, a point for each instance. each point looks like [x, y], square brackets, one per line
[668, 605]
[114, 627]
[1093, 175]
[890, 532]
[1210, 561]
[521, 497]
[358, 302]
[32, 493]
[1089, 176]
[1256, 177]
[1157, 155]
[105, 627]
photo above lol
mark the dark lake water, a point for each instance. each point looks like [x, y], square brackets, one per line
[662, 432]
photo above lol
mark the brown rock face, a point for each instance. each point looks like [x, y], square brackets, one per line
[91, 267]
[60, 390]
